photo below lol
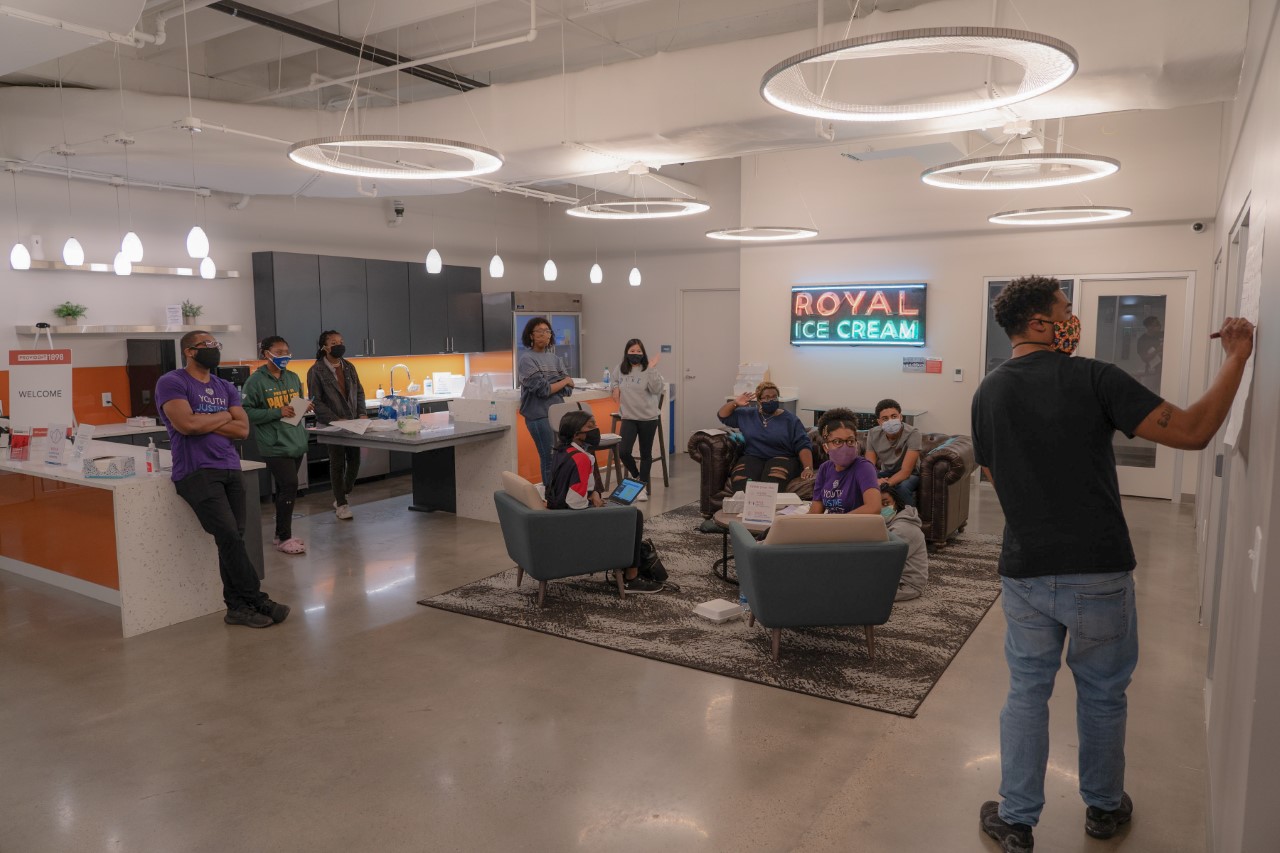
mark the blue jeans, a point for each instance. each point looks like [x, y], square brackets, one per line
[906, 489]
[544, 439]
[1096, 615]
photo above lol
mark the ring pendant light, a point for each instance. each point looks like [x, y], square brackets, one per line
[1020, 171]
[1076, 215]
[1046, 63]
[339, 155]
[640, 208]
[763, 233]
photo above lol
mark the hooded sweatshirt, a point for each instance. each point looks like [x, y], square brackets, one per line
[263, 397]
[906, 526]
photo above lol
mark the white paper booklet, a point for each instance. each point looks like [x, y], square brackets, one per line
[299, 411]
[358, 426]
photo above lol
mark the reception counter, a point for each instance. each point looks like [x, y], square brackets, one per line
[133, 542]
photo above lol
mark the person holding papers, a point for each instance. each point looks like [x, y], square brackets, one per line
[335, 387]
[776, 445]
[846, 482]
[272, 398]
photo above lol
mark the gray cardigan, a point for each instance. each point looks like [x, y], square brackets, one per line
[537, 372]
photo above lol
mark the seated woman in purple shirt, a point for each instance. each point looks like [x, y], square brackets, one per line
[847, 481]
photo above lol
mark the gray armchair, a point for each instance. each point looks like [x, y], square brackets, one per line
[549, 545]
[809, 586]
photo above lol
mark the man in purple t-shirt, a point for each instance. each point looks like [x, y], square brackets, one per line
[202, 413]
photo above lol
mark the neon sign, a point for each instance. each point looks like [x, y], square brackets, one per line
[858, 315]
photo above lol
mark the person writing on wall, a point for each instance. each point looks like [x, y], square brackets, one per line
[268, 395]
[1043, 430]
[637, 389]
[570, 485]
[338, 396]
[846, 482]
[543, 383]
[203, 416]
[893, 446]
[777, 446]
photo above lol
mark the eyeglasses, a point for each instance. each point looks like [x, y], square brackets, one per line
[206, 345]
[842, 442]
[541, 331]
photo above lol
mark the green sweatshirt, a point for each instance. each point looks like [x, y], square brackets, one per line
[263, 397]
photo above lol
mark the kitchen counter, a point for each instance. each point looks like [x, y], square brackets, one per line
[132, 542]
[372, 403]
[114, 430]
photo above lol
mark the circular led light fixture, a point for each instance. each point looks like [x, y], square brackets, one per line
[434, 262]
[19, 257]
[1078, 215]
[131, 245]
[549, 271]
[197, 243]
[72, 252]
[763, 233]
[1046, 64]
[1020, 171]
[207, 267]
[382, 156]
[597, 274]
[122, 265]
[640, 208]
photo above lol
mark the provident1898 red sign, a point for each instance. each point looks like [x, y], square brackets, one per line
[858, 314]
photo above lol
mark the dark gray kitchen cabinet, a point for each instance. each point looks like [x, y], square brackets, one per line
[387, 288]
[286, 298]
[445, 311]
[344, 302]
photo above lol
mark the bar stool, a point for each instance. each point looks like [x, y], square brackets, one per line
[662, 436]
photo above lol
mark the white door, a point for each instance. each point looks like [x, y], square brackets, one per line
[708, 358]
[1138, 325]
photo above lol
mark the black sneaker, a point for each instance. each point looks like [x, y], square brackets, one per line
[248, 617]
[1013, 837]
[641, 585]
[274, 609]
[1104, 824]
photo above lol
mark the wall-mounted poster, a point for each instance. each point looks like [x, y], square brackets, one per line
[891, 314]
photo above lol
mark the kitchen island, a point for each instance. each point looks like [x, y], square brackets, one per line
[132, 542]
[437, 469]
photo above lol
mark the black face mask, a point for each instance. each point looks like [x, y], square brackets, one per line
[634, 358]
[591, 439]
[208, 358]
[338, 351]
[769, 406]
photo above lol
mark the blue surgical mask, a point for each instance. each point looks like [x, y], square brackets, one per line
[280, 361]
[888, 512]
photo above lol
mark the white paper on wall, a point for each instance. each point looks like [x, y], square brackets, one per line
[1250, 300]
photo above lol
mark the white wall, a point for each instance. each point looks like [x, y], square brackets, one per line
[1244, 695]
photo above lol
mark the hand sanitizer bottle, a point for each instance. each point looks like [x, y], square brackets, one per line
[153, 457]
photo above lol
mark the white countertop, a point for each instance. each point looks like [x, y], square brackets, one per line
[72, 470]
[126, 429]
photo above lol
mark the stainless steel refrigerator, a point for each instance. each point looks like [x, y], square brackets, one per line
[505, 315]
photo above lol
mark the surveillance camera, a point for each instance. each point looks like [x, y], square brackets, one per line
[397, 207]
[1197, 227]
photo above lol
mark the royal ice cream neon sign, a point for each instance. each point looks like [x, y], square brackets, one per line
[858, 314]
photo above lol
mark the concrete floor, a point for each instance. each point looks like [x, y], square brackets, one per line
[369, 723]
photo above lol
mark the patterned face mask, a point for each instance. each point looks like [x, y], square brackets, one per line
[1066, 335]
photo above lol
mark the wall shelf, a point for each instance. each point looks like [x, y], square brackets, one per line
[138, 269]
[121, 330]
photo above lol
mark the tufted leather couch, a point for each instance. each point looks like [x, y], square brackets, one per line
[946, 464]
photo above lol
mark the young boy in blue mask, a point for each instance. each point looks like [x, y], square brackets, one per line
[904, 522]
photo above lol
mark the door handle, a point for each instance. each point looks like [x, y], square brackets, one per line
[1217, 465]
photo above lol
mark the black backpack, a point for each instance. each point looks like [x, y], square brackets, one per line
[650, 563]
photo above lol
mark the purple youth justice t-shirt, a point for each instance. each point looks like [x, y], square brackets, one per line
[841, 491]
[193, 452]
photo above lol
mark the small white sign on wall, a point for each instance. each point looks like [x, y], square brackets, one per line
[173, 315]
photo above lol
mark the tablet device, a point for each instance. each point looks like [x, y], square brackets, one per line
[626, 493]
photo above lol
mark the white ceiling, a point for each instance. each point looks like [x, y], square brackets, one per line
[658, 81]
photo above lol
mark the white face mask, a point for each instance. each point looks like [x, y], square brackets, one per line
[892, 427]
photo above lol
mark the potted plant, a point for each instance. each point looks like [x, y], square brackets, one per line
[190, 310]
[70, 312]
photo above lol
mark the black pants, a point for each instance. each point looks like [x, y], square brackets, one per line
[779, 469]
[344, 467]
[284, 471]
[645, 430]
[217, 496]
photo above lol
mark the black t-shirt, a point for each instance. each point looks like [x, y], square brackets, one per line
[1043, 424]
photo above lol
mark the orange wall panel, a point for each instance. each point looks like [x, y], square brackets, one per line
[37, 516]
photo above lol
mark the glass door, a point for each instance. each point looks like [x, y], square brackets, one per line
[568, 343]
[1137, 325]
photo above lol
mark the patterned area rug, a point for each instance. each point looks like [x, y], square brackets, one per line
[913, 649]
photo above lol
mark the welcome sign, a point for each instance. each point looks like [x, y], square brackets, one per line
[858, 314]
[39, 388]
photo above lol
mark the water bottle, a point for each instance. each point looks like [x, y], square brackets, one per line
[153, 457]
[493, 411]
[606, 377]
[742, 602]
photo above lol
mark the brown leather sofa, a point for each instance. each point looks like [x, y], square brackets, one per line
[945, 466]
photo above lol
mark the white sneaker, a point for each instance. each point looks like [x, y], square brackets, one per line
[643, 496]
[343, 512]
